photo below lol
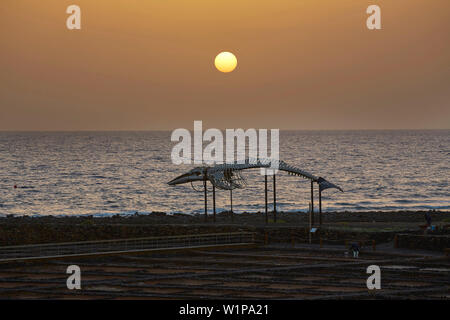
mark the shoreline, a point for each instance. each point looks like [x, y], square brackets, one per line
[223, 212]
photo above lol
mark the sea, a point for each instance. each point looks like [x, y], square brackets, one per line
[109, 173]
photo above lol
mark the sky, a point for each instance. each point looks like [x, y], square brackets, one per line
[149, 65]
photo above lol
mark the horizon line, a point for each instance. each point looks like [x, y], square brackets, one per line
[168, 130]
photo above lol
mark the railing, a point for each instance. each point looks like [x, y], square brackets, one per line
[39, 251]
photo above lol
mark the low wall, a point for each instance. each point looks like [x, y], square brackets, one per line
[426, 242]
[329, 236]
[36, 233]
[48, 233]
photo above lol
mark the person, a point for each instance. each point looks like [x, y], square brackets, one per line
[354, 247]
[428, 219]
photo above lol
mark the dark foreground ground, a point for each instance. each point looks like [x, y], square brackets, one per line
[282, 265]
[277, 271]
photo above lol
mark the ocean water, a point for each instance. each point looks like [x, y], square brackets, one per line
[103, 173]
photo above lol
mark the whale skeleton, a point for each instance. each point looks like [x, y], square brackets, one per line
[227, 176]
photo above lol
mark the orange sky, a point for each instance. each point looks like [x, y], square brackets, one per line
[148, 65]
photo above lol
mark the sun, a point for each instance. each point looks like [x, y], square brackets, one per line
[225, 62]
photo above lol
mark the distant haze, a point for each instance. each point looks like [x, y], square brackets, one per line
[149, 65]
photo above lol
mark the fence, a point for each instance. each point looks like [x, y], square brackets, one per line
[53, 250]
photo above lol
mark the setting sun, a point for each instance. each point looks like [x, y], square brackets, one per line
[225, 62]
